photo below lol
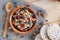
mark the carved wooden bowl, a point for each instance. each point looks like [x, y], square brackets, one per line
[23, 19]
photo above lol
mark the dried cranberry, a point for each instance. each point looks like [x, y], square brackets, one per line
[21, 25]
[17, 17]
[28, 19]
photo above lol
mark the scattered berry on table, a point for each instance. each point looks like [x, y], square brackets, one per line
[28, 5]
[46, 20]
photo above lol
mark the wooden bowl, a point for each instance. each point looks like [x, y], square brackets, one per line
[33, 27]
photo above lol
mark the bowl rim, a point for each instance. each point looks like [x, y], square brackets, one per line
[17, 30]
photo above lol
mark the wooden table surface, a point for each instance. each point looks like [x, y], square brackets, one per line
[52, 9]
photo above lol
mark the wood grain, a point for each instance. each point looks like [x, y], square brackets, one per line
[52, 9]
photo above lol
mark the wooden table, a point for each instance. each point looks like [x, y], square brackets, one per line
[52, 10]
